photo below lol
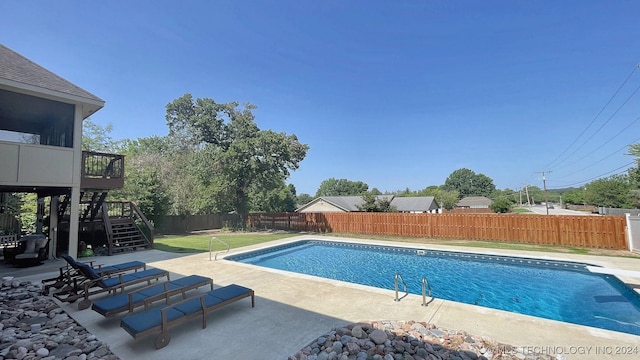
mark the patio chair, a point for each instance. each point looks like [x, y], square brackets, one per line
[70, 274]
[162, 319]
[147, 295]
[31, 250]
[97, 284]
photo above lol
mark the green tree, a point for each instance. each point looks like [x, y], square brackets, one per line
[373, 203]
[96, 137]
[468, 183]
[501, 205]
[535, 194]
[143, 186]
[634, 172]
[574, 197]
[244, 157]
[341, 187]
[281, 199]
[27, 211]
[303, 199]
[612, 192]
[447, 199]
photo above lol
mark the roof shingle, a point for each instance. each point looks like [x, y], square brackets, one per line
[16, 67]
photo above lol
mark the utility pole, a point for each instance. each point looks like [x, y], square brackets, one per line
[520, 197]
[544, 185]
[526, 188]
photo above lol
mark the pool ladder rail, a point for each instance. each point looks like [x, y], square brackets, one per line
[426, 288]
[219, 252]
[396, 282]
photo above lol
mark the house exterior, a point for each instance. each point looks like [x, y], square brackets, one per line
[419, 204]
[474, 202]
[415, 204]
[41, 118]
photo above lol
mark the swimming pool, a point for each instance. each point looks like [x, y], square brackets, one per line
[557, 290]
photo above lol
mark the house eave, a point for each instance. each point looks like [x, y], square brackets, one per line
[89, 106]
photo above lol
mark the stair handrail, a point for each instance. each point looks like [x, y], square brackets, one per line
[107, 225]
[215, 258]
[135, 209]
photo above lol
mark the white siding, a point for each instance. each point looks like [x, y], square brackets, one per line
[321, 206]
[35, 165]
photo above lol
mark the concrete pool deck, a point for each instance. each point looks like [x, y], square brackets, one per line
[293, 310]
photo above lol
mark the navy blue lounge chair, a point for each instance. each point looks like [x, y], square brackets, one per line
[70, 274]
[97, 284]
[162, 319]
[147, 295]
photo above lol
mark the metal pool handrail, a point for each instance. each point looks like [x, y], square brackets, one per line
[425, 286]
[211, 247]
[397, 279]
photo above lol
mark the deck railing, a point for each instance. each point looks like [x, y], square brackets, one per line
[102, 170]
[129, 209]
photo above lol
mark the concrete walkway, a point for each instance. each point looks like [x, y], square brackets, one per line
[292, 310]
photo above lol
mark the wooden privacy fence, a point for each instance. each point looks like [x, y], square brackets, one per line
[179, 224]
[584, 231]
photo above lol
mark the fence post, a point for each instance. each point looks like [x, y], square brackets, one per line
[629, 232]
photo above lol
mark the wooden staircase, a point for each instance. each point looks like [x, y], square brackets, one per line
[125, 236]
[125, 225]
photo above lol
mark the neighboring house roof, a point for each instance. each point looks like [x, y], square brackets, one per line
[415, 203]
[475, 201]
[16, 71]
[351, 203]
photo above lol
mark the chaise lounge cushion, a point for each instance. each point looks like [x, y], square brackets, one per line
[229, 292]
[119, 280]
[143, 321]
[105, 270]
[131, 265]
[120, 302]
[147, 320]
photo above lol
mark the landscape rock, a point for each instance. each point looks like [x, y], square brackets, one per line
[33, 326]
[407, 340]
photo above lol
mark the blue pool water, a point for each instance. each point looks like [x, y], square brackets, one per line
[557, 290]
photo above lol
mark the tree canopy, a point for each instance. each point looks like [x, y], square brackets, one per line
[341, 187]
[214, 160]
[468, 183]
[96, 137]
[610, 192]
[374, 204]
[245, 158]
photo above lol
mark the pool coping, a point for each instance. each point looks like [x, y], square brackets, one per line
[587, 268]
[293, 309]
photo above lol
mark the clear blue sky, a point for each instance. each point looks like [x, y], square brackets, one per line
[393, 93]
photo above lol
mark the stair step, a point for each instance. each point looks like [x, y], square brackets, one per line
[126, 236]
[131, 243]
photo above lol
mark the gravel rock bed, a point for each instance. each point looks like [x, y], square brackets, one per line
[407, 340]
[33, 326]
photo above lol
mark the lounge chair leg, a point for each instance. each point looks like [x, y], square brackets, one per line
[162, 340]
[84, 304]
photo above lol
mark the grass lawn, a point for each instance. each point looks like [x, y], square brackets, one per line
[200, 243]
[520, 210]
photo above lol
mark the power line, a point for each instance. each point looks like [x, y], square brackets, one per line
[599, 161]
[602, 145]
[596, 117]
[595, 177]
[601, 126]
